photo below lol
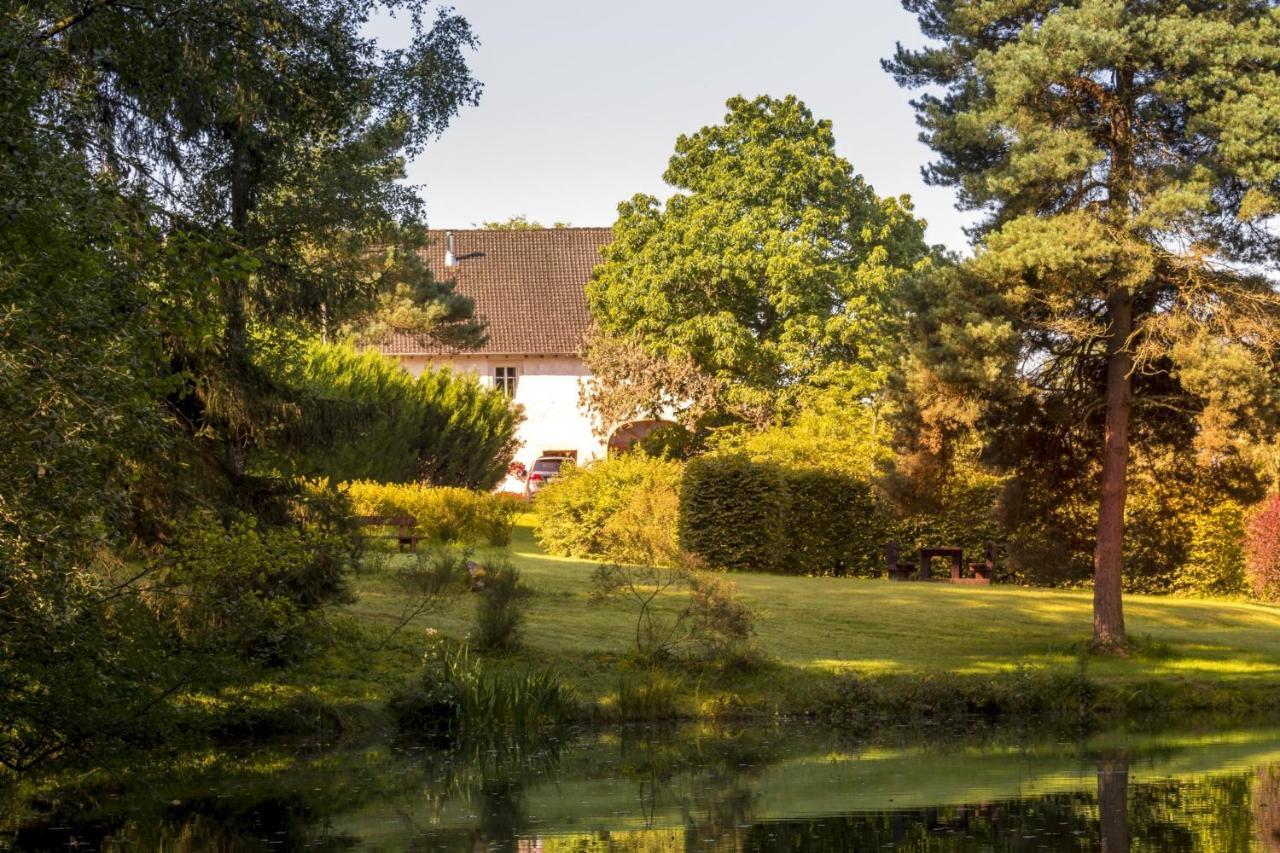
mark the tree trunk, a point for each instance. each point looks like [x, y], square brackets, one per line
[234, 288]
[1113, 804]
[1108, 609]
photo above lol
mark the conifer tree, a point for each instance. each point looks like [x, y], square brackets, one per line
[1125, 158]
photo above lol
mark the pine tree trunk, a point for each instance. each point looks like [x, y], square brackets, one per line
[1113, 804]
[1108, 609]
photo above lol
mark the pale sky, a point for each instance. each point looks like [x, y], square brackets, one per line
[583, 101]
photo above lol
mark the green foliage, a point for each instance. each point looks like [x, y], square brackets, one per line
[768, 273]
[176, 174]
[575, 509]
[443, 514]
[958, 509]
[442, 427]
[1112, 147]
[248, 587]
[733, 513]
[749, 514]
[500, 607]
[648, 694]
[459, 695]
[833, 525]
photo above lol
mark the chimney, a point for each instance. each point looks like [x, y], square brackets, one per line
[450, 259]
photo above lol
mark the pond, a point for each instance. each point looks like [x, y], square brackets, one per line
[793, 788]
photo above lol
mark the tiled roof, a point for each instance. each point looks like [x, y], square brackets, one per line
[528, 286]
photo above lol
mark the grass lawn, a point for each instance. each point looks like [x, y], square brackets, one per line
[1191, 653]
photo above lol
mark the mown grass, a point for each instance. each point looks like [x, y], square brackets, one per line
[832, 642]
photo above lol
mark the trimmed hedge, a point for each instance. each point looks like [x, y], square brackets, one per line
[832, 525]
[746, 515]
[733, 513]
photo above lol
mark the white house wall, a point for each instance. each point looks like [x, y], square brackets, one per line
[547, 387]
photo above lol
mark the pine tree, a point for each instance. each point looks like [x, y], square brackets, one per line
[1126, 160]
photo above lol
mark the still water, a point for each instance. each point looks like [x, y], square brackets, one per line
[791, 788]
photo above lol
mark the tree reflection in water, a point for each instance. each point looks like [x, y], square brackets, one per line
[747, 791]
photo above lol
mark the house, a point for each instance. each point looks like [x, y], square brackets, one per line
[530, 289]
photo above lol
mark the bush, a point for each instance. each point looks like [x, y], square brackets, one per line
[574, 510]
[733, 513]
[248, 586]
[443, 427]
[500, 609]
[443, 514]
[1215, 563]
[1262, 550]
[747, 514]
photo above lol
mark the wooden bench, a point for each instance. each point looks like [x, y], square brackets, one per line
[403, 526]
[897, 571]
[983, 573]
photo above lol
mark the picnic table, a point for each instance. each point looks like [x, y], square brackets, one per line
[980, 574]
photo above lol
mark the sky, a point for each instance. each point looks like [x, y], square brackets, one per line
[583, 101]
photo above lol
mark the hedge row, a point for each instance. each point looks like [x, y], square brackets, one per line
[745, 515]
[443, 514]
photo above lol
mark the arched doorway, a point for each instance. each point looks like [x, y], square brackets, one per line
[625, 436]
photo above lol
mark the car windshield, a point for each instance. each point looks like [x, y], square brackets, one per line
[548, 466]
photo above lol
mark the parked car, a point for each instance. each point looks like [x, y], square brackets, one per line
[544, 470]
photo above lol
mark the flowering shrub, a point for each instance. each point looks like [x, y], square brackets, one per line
[1262, 550]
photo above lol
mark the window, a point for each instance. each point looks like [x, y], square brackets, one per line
[505, 378]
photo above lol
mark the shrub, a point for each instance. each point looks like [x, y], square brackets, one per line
[248, 586]
[500, 609]
[707, 617]
[733, 513]
[1262, 550]
[1215, 563]
[444, 514]
[574, 510]
[443, 427]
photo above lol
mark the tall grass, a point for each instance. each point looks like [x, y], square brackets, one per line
[459, 694]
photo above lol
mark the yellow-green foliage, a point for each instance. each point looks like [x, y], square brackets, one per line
[1215, 564]
[444, 514]
[575, 510]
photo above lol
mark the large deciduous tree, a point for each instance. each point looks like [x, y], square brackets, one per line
[766, 274]
[1126, 160]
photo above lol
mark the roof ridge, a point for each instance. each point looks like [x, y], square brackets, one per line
[521, 230]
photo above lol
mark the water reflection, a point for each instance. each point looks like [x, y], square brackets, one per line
[705, 790]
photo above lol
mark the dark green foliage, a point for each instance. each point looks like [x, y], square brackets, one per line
[733, 513]
[833, 525]
[747, 515]
[247, 587]
[500, 607]
[442, 428]
[181, 182]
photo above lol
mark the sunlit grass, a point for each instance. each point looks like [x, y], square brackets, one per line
[870, 628]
